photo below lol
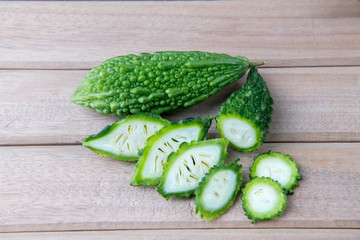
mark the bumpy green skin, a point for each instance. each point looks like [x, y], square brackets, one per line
[184, 147]
[295, 175]
[137, 179]
[252, 102]
[146, 117]
[158, 82]
[211, 214]
[276, 212]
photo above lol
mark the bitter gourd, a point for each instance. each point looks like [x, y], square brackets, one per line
[217, 190]
[245, 116]
[186, 167]
[263, 199]
[279, 167]
[123, 139]
[153, 156]
[158, 82]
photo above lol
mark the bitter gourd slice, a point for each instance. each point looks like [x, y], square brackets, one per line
[158, 82]
[245, 116]
[217, 190]
[277, 166]
[153, 156]
[123, 139]
[185, 168]
[263, 199]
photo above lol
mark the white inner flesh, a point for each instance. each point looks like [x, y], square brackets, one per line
[219, 190]
[239, 132]
[168, 143]
[189, 168]
[127, 139]
[276, 169]
[263, 198]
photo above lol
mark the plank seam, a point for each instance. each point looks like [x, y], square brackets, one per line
[88, 69]
[79, 144]
[175, 229]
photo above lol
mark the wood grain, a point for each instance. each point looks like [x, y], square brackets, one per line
[204, 234]
[78, 35]
[48, 188]
[311, 104]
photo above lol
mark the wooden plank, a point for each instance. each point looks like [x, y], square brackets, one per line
[311, 104]
[204, 234]
[74, 35]
[48, 188]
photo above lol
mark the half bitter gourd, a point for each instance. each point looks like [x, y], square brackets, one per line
[158, 82]
[263, 199]
[245, 116]
[149, 168]
[277, 166]
[123, 139]
[185, 168]
[217, 190]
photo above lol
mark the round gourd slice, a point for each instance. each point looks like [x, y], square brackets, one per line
[263, 199]
[217, 190]
[279, 167]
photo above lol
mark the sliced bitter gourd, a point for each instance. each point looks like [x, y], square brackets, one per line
[277, 166]
[149, 168]
[217, 190]
[123, 139]
[245, 116]
[263, 199]
[185, 168]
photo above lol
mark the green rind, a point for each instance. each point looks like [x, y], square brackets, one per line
[173, 157]
[158, 82]
[136, 179]
[252, 102]
[263, 217]
[296, 176]
[150, 117]
[209, 214]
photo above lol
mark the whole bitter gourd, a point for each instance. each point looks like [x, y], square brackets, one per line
[245, 116]
[158, 82]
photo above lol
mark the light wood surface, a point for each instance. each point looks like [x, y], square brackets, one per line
[53, 188]
[82, 34]
[224, 234]
[311, 104]
[71, 188]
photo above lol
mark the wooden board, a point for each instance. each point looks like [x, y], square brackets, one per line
[47, 188]
[52, 188]
[224, 234]
[311, 104]
[73, 35]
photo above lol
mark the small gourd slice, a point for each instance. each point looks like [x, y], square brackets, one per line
[217, 190]
[263, 199]
[123, 139]
[244, 118]
[185, 168]
[149, 168]
[279, 167]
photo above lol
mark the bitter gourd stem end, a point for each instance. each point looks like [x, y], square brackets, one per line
[254, 64]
